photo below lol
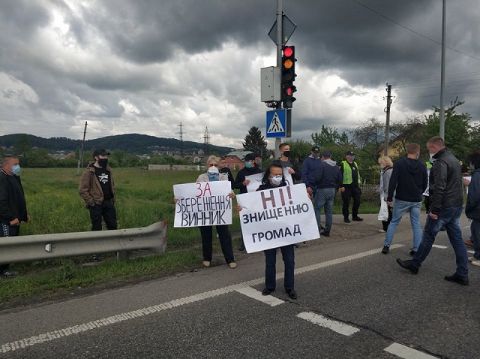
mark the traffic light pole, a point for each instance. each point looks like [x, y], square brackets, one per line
[279, 59]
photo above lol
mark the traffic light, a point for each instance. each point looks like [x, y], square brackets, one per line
[288, 76]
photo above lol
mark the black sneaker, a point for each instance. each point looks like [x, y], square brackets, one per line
[346, 220]
[407, 265]
[266, 291]
[291, 293]
[456, 279]
[357, 219]
[241, 248]
[325, 234]
[412, 252]
[385, 250]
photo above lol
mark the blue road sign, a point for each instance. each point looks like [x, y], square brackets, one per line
[277, 123]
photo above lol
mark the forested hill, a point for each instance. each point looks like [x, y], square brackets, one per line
[132, 143]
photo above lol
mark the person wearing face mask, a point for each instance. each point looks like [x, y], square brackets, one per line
[287, 162]
[446, 201]
[350, 187]
[213, 174]
[407, 184]
[274, 178]
[97, 189]
[13, 208]
[241, 182]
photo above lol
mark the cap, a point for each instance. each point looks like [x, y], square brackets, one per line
[101, 152]
[315, 149]
[250, 157]
[349, 153]
[327, 154]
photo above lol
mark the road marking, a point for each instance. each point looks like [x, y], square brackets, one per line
[255, 294]
[439, 246]
[405, 352]
[104, 322]
[322, 321]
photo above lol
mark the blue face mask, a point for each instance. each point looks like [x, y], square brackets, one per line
[249, 164]
[212, 177]
[16, 170]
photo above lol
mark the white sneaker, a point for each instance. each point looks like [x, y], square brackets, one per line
[206, 264]
[232, 265]
[381, 231]
[475, 262]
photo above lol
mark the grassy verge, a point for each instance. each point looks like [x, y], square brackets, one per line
[143, 198]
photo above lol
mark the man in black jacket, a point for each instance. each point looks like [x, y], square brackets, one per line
[472, 209]
[13, 209]
[241, 182]
[446, 197]
[408, 182]
[327, 180]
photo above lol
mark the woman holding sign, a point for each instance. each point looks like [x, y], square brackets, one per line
[274, 178]
[213, 174]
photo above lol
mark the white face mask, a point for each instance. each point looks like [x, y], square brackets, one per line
[276, 180]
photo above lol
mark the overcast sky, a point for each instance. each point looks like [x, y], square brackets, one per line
[144, 66]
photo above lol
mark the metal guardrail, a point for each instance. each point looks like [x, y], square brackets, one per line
[48, 246]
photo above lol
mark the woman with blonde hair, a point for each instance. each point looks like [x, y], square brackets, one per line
[213, 174]
[385, 214]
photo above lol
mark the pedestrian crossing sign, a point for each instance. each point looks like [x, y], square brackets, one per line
[277, 123]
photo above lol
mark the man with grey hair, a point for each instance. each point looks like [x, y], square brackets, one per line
[13, 208]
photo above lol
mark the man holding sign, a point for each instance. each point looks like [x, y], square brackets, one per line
[205, 204]
[242, 181]
[277, 216]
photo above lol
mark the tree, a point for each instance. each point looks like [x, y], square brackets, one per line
[255, 142]
[329, 136]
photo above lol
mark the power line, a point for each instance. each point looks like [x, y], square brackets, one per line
[426, 37]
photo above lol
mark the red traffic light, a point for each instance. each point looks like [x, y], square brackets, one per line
[287, 51]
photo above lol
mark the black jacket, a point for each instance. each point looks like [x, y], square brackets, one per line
[268, 185]
[244, 172]
[446, 186]
[472, 209]
[12, 199]
[227, 171]
[408, 181]
[329, 175]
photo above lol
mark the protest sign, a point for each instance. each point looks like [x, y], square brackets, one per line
[203, 204]
[277, 217]
[256, 180]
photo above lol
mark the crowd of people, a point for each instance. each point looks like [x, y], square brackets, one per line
[404, 185]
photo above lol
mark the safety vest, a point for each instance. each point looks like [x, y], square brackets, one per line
[347, 173]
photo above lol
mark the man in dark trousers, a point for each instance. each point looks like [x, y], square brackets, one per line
[407, 183]
[97, 189]
[13, 208]
[446, 201]
[241, 182]
[350, 187]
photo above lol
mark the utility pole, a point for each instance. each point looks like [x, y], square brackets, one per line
[442, 84]
[180, 132]
[206, 141]
[80, 159]
[387, 121]
[279, 59]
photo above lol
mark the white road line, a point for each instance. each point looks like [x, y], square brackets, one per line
[255, 294]
[439, 246]
[405, 352]
[322, 321]
[103, 322]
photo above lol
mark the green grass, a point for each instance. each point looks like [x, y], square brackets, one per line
[143, 197]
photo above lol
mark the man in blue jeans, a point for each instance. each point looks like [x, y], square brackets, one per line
[408, 182]
[446, 200]
[327, 181]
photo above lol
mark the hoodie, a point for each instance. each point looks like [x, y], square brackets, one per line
[472, 209]
[329, 175]
[408, 181]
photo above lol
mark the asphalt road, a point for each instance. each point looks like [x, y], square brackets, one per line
[353, 302]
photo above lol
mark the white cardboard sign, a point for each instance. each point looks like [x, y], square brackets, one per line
[277, 217]
[256, 180]
[203, 204]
